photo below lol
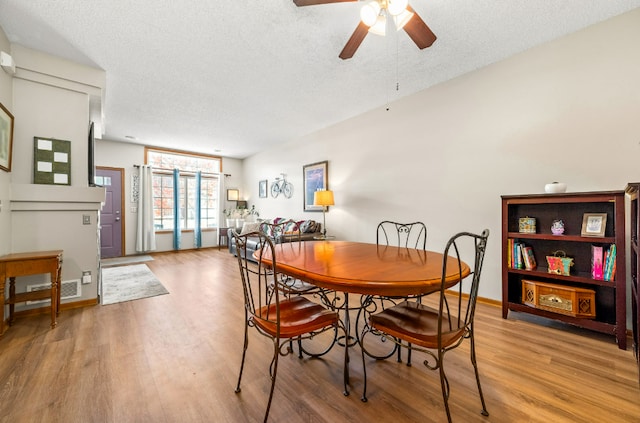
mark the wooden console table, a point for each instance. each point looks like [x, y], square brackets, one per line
[30, 263]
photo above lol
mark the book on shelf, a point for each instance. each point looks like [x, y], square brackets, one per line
[597, 262]
[518, 254]
[610, 263]
[528, 257]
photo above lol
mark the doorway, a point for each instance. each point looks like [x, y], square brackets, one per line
[111, 216]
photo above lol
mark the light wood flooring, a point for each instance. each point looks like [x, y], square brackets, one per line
[175, 358]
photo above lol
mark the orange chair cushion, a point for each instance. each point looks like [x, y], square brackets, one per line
[415, 323]
[298, 316]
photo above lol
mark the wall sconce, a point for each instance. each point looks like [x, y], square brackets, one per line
[7, 63]
[233, 195]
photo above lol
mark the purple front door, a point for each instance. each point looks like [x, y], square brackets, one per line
[111, 216]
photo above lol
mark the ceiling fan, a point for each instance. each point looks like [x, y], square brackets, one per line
[373, 19]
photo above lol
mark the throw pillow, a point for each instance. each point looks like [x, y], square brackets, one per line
[308, 226]
[291, 228]
[249, 227]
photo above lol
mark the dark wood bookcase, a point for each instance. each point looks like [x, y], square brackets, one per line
[610, 296]
[632, 191]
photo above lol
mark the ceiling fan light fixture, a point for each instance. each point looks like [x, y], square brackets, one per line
[402, 19]
[369, 13]
[380, 27]
[396, 7]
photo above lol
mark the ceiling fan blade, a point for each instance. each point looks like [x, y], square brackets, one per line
[300, 3]
[419, 31]
[354, 42]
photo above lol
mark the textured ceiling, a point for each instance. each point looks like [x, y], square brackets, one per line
[232, 77]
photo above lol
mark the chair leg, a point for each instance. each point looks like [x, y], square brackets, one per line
[484, 411]
[273, 373]
[444, 383]
[244, 352]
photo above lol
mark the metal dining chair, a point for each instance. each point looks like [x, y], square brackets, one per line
[438, 330]
[405, 235]
[288, 232]
[408, 235]
[274, 315]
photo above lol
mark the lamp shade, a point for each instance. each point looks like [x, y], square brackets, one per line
[369, 13]
[380, 27]
[395, 7]
[402, 19]
[323, 198]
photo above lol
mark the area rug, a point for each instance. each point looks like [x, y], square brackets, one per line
[119, 261]
[127, 283]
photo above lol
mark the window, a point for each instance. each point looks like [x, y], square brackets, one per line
[163, 163]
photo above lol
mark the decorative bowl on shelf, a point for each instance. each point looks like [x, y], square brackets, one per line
[555, 187]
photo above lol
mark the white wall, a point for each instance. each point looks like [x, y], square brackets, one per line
[125, 156]
[6, 98]
[51, 99]
[566, 111]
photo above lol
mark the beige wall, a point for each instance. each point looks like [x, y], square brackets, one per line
[6, 98]
[51, 99]
[566, 111]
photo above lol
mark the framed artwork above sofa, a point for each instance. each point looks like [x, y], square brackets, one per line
[315, 177]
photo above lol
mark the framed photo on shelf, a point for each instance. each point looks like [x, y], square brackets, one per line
[594, 224]
[315, 177]
[6, 138]
[262, 188]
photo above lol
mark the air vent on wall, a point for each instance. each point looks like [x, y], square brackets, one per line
[69, 289]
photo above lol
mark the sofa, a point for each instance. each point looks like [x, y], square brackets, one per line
[309, 230]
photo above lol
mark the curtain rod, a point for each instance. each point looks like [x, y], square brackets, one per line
[188, 171]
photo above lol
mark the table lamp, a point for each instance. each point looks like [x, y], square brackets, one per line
[323, 198]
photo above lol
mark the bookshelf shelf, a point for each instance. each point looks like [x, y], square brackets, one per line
[573, 238]
[610, 296]
[580, 277]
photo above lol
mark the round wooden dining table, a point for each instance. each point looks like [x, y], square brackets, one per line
[362, 268]
[367, 269]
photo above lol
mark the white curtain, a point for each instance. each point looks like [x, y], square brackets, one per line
[197, 231]
[145, 234]
[222, 201]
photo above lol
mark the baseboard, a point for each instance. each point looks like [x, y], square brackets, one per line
[489, 301]
[66, 306]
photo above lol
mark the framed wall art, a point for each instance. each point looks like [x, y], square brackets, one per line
[6, 138]
[594, 224]
[262, 188]
[51, 161]
[233, 195]
[315, 177]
